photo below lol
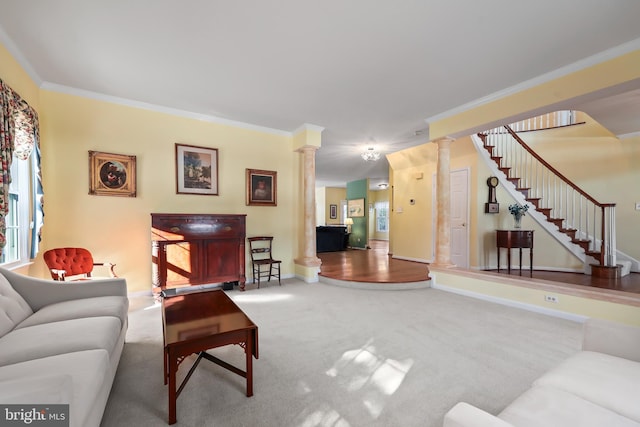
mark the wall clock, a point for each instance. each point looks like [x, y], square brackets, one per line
[492, 206]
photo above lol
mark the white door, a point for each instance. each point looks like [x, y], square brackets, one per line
[460, 218]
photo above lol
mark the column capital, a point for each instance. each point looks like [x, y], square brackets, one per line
[307, 148]
[443, 139]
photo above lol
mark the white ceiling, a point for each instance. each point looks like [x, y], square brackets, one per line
[370, 73]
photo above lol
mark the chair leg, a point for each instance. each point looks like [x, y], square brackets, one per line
[254, 274]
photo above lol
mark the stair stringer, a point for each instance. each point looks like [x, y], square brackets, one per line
[539, 217]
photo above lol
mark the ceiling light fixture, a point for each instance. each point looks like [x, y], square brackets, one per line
[383, 186]
[370, 155]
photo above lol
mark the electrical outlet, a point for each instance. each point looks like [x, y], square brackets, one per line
[551, 298]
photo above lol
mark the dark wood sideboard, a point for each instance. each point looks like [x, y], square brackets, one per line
[196, 249]
[511, 239]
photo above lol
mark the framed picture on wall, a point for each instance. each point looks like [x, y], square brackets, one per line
[196, 170]
[112, 174]
[333, 211]
[262, 187]
[355, 208]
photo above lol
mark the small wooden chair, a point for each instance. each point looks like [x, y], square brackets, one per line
[64, 262]
[261, 257]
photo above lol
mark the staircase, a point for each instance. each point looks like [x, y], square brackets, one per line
[580, 223]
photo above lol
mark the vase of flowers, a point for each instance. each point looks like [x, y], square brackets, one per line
[518, 211]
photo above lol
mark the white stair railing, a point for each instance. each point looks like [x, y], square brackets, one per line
[586, 221]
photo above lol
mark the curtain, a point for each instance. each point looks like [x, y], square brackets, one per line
[19, 132]
[6, 155]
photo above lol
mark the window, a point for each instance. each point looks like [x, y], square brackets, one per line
[382, 217]
[16, 250]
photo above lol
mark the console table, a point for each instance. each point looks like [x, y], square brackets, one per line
[515, 239]
[195, 249]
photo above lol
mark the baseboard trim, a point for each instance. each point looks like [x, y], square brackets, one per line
[516, 304]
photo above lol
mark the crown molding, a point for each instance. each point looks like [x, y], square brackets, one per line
[629, 135]
[590, 61]
[19, 57]
[161, 109]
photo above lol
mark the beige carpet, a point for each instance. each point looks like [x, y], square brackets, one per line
[332, 356]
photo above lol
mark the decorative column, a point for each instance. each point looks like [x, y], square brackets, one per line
[306, 140]
[309, 258]
[443, 204]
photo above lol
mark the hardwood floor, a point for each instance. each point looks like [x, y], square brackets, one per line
[371, 265]
[376, 266]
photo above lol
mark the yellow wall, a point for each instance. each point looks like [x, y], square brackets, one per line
[333, 196]
[576, 302]
[411, 225]
[14, 75]
[118, 229]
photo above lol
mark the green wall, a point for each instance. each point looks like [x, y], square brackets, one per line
[359, 229]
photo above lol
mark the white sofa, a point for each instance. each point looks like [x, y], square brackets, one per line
[598, 386]
[60, 342]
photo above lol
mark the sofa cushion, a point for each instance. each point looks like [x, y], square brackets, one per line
[551, 407]
[13, 308]
[608, 381]
[87, 370]
[114, 306]
[46, 389]
[62, 337]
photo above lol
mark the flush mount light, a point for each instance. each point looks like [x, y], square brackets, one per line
[383, 186]
[371, 155]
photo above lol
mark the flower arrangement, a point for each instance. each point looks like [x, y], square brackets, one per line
[518, 210]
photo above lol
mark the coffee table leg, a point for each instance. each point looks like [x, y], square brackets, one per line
[173, 367]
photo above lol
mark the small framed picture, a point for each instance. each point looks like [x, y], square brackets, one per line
[262, 187]
[112, 174]
[333, 211]
[196, 170]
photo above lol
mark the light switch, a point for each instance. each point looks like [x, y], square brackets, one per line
[638, 206]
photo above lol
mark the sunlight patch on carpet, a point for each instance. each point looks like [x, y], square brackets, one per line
[375, 376]
[261, 298]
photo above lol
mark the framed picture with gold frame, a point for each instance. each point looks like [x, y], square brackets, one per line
[262, 187]
[112, 174]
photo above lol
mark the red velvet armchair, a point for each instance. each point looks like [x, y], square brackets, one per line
[64, 262]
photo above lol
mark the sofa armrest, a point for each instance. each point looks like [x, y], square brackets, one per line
[615, 339]
[465, 415]
[40, 292]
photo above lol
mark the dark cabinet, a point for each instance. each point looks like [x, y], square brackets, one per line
[331, 238]
[195, 249]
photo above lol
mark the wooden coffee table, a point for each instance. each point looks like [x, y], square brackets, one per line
[196, 322]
